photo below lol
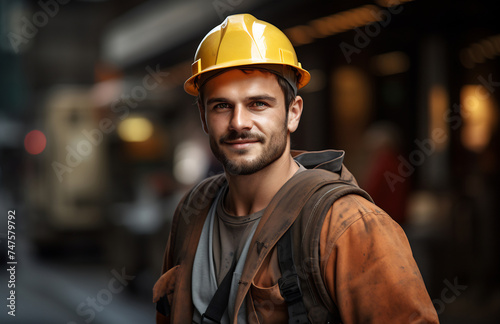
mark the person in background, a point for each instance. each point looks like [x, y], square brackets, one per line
[383, 180]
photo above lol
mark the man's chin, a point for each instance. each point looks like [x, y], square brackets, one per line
[240, 169]
[241, 154]
[241, 165]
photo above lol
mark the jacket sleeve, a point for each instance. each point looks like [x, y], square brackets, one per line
[368, 267]
[163, 286]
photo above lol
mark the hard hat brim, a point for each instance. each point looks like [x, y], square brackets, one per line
[303, 76]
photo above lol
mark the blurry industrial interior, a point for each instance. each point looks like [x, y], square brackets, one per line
[409, 89]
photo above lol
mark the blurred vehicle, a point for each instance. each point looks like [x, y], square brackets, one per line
[68, 191]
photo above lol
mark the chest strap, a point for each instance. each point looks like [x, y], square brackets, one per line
[215, 310]
[289, 282]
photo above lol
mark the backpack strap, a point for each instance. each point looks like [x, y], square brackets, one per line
[289, 282]
[306, 232]
[215, 310]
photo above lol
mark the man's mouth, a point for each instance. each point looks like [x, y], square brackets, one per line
[240, 140]
[241, 143]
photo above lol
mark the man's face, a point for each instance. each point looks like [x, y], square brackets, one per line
[245, 117]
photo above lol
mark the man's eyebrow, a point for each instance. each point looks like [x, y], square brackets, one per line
[262, 97]
[252, 98]
[214, 100]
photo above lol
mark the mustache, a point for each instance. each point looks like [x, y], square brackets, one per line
[245, 135]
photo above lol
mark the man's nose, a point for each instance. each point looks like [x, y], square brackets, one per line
[240, 119]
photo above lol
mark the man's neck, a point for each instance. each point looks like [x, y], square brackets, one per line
[248, 194]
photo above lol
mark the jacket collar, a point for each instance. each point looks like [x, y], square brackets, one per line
[330, 160]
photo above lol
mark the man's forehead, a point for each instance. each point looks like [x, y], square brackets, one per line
[233, 76]
[233, 72]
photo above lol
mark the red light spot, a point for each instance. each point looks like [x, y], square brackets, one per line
[35, 142]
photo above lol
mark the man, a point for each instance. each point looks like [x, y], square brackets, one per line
[348, 262]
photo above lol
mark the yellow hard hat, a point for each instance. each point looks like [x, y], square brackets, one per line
[243, 40]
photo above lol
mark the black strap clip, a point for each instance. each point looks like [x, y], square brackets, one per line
[290, 288]
[205, 319]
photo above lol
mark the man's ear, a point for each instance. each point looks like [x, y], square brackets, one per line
[294, 113]
[203, 118]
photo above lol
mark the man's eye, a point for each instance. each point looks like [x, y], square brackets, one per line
[222, 105]
[259, 104]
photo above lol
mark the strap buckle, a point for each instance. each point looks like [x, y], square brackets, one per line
[290, 288]
[205, 319]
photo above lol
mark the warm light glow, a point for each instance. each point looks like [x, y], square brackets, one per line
[438, 105]
[135, 129]
[479, 52]
[390, 63]
[321, 26]
[479, 114]
[298, 35]
[351, 95]
[333, 24]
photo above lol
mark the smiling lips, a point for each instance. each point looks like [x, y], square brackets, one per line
[241, 143]
[240, 140]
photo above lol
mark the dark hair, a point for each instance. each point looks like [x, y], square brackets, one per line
[288, 92]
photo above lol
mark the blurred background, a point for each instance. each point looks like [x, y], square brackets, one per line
[98, 140]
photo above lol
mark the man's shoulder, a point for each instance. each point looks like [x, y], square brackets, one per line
[354, 204]
[337, 204]
[354, 210]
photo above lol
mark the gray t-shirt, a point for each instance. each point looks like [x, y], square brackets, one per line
[230, 234]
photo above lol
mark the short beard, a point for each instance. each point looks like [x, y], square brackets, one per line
[275, 149]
